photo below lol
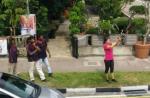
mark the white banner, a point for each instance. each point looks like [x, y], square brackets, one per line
[28, 24]
[3, 47]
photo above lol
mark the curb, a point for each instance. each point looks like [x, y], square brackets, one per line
[128, 90]
[89, 90]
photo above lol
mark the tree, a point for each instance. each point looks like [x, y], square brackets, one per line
[41, 11]
[42, 20]
[108, 9]
[77, 17]
[147, 16]
[10, 13]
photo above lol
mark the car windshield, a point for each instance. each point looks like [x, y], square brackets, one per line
[18, 86]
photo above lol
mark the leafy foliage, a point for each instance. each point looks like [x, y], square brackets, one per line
[121, 23]
[108, 9]
[105, 25]
[10, 13]
[77, 17]
[140, 9]
[138, 26]
[92, 31]
[42, 20]
[56, 7]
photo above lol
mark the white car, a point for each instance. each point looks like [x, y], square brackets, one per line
[15, 87]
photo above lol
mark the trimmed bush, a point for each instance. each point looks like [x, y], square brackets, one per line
[139, 9]
[138, 22]
[121, 22]
[138, 26]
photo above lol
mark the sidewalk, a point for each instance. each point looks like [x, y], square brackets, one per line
[99, 51]
[84, 64]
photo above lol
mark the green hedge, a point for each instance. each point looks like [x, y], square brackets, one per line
[92, 31]
[139, 9]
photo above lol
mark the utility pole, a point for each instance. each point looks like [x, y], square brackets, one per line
[28, 11]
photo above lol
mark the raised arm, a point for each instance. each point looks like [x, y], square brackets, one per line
[118, 39]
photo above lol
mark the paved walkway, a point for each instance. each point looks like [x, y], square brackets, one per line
[99, 51]
[59, 47]
[67, 64]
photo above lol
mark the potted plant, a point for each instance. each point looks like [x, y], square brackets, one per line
[142, 48]
[78, 19]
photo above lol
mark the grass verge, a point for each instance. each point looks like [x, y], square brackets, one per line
[91, 79]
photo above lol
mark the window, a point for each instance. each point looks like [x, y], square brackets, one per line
[3, 95]
[18, 86]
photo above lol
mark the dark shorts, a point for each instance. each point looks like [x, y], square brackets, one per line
[109, 65]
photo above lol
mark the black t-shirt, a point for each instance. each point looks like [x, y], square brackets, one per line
[42, 45]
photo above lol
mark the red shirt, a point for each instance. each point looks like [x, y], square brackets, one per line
[108, 51]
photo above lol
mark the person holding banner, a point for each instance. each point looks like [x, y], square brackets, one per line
[109, 60]
[12, 54]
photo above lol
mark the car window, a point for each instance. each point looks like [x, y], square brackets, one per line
[18, 86]
[3, 95]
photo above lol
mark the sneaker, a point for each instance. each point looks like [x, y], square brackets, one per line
[114, 80]
[50, 74]
[43, 80]
[32, 81]
[108, 81]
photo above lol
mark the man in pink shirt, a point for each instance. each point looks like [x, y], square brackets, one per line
[109, 60]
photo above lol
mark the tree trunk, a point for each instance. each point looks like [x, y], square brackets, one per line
[14, 31]
[11, 31]
[147, 16]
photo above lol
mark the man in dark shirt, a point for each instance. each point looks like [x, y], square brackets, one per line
[43, 55]
[33, 58]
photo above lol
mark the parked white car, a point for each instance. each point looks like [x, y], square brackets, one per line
[15, 87]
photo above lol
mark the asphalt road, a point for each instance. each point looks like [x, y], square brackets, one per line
[108, 96]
